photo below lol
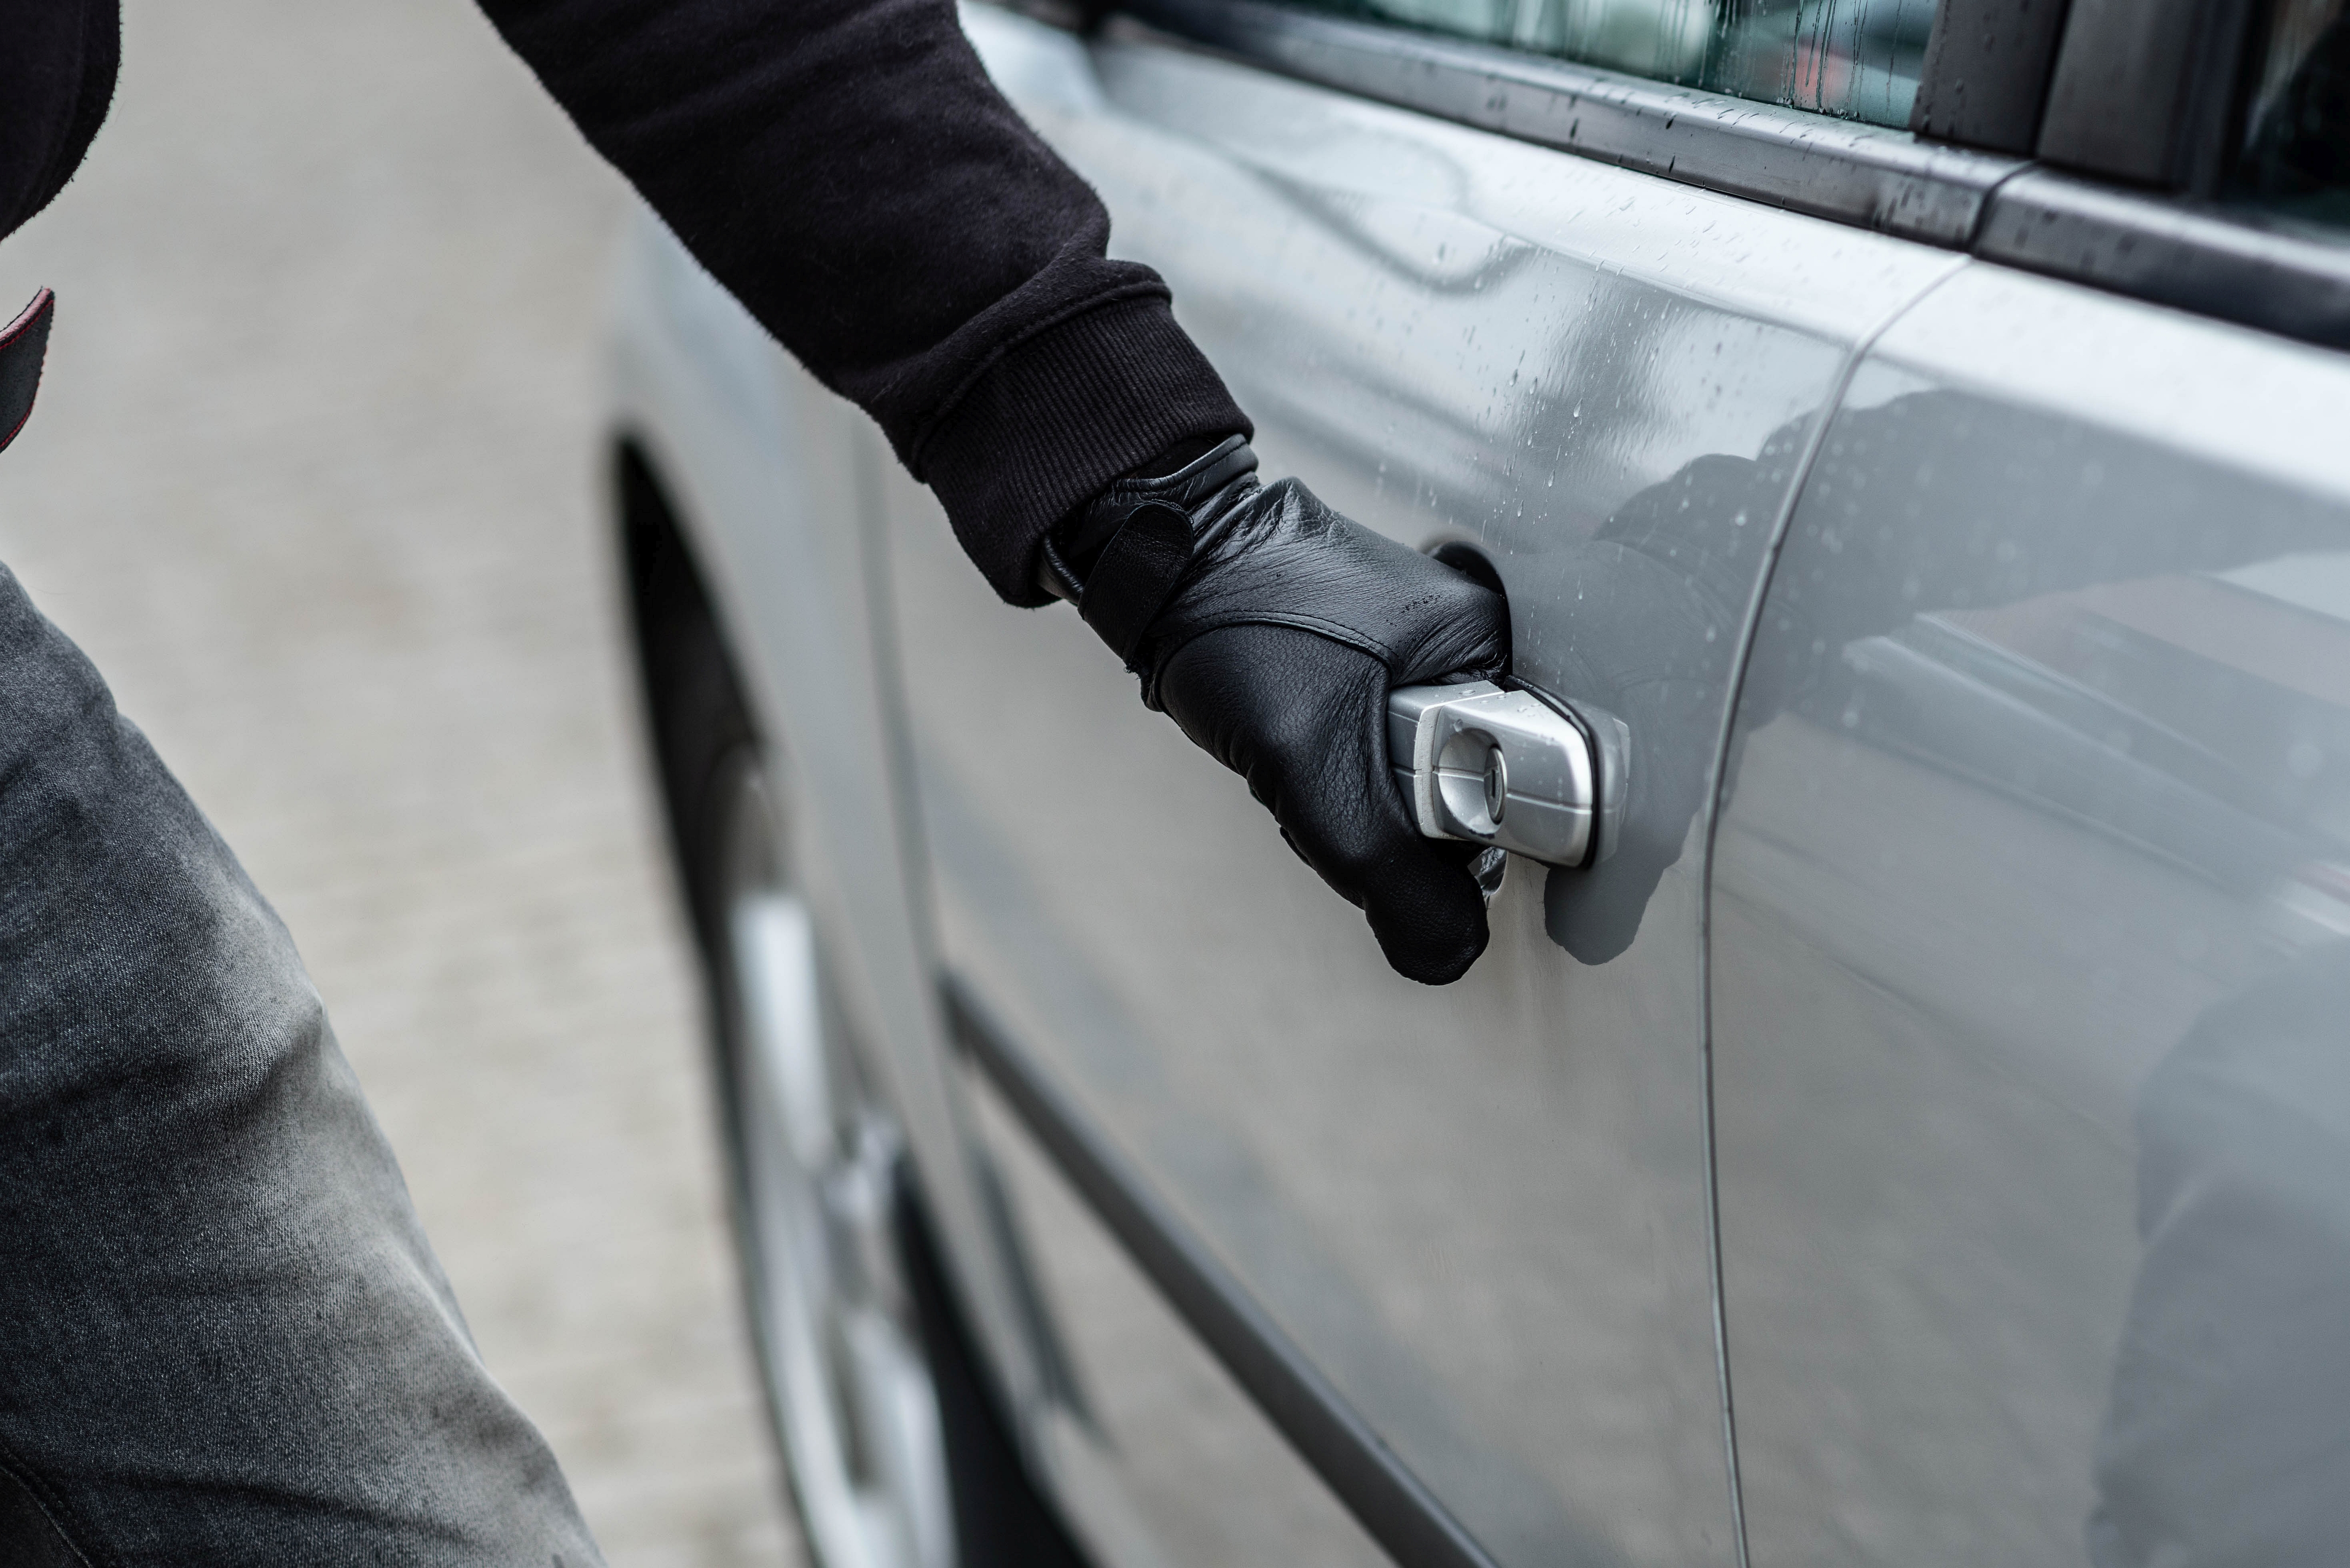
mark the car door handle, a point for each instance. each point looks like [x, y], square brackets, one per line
[1504, 768]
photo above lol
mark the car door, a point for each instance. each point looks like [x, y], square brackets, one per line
[2031, 1002]
[1473, 1222]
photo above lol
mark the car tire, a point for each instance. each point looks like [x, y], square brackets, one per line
[892, 1437]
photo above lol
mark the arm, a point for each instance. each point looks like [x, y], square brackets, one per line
[845, 168]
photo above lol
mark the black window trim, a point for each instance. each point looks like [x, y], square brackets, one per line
[2190, 255]
[2145, 91]
[1984, 80]
[1870, 175]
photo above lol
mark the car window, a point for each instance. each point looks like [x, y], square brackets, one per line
[2296, 151]
[1856, 59]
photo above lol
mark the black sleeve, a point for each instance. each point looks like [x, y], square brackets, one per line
[847, 169]
[56, 76]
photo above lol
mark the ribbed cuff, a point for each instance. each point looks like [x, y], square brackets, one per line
[1059, 417]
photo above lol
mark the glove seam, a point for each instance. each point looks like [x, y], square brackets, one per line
[1058, 420]
[1152, 658]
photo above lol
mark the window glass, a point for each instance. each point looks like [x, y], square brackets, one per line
[2296, 128]
[1856, 59]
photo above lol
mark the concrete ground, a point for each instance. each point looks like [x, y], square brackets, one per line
[314, 478]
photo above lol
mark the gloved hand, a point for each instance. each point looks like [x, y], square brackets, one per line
[1271, 628]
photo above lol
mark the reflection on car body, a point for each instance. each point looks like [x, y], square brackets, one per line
[1922, 1139]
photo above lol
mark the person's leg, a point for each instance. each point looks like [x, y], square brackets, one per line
[224, 1338]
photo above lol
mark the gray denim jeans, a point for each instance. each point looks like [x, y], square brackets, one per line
[224, 1337]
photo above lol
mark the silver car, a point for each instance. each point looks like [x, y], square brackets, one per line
[1913, 1126]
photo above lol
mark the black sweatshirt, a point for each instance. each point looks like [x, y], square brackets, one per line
[847, 169]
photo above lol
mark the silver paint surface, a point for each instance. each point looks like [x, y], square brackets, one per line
[765, 467]
[2030, 901]
[1482, 1210]
[2031, 1007]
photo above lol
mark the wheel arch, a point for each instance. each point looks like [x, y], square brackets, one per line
[734, 486]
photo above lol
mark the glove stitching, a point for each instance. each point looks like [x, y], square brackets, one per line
[1160, 654]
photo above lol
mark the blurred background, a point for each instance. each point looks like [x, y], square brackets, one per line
[314, 479]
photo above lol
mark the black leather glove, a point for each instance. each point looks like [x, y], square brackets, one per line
[1271, 628]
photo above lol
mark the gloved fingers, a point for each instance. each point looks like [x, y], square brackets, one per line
[1303, 720]
[1430, 922]
[1422, 903]
[1283, 556]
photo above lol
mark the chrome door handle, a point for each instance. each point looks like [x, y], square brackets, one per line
[1502, 768]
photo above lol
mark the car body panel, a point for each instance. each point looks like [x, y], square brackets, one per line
[2028, 1010]
[765, 467]
[1143, 1412]
[1481, 1211]
[774, 482]
[2019, 933]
